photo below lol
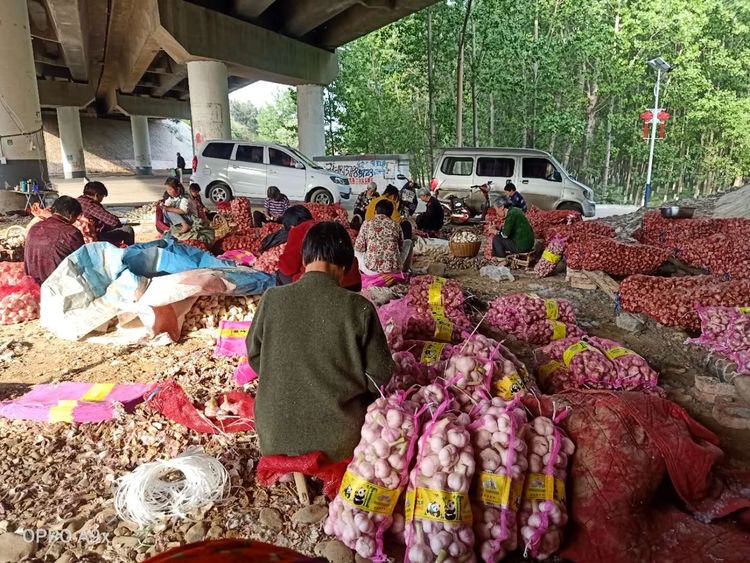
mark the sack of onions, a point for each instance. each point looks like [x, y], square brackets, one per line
[438, 510]
[613, 257]
[268, 262]
[532, 319]
[209, 311]
[497, 435]
[574, 362]
[543, 513]
[432, 291]
[551, 256]
[242, 214]
[362, 511]
[11, 273]
[20, 302]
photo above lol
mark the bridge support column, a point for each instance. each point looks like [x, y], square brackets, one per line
[141, 144]
[310, 122]
[209, 101]
[71, 142]
[22, 155]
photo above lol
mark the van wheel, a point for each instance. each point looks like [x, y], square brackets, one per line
[219, 193]
[570, 206]
[321, 195]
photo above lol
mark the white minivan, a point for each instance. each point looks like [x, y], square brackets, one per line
[540, 178]
[247, 168]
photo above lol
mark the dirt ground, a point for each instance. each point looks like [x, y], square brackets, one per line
[59, 477]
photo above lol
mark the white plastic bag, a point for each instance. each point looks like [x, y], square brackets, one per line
[497, 273]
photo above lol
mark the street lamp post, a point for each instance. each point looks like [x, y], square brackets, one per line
[661, 66]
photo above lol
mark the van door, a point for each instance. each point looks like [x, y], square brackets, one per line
[287, 173]
[455, 173]
[247, 172]
[497, 169]
[541, 183]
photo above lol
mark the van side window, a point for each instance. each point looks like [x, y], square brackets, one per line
[218, 150]
[457, 166]
[495, 167]
[249, 154]
[540, 168]
[280, 158]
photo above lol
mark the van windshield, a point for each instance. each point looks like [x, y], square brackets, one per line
[302, 158]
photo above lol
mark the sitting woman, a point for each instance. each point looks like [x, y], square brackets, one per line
[179, 214]
[275, 205]
[380, 246]
[360, 207]
[320, 352]
[516, 236]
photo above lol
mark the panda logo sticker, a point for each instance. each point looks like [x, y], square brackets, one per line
[450, 511]
[359, 497]
[433, 509]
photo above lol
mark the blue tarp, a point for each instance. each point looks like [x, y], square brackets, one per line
[99, 281]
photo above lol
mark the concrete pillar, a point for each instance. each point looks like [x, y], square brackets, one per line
[71, 142]
[209, 101]
[310, 123]
[141, 144]
[22, 153]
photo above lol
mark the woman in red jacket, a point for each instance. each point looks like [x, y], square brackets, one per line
[290, 263]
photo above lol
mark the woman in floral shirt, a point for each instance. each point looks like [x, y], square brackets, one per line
[380, 246]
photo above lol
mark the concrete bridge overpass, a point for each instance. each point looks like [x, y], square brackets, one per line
[164, 58]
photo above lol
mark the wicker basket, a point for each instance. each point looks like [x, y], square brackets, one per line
[12, 243]
[221, 226]
[464, 249]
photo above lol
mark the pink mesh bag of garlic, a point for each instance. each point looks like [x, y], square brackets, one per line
[362, 511]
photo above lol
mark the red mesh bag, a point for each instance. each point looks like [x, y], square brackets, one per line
[616, 258]
[271, 468]
[626, 444]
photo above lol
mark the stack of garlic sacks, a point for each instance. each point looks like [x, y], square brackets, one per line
[444, 456]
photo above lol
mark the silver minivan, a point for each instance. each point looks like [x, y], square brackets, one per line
[539, 177]
[228, 168]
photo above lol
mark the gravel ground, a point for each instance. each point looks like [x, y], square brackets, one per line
[59, 477]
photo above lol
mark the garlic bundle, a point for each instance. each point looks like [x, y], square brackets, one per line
[438, 510]
[361, 512]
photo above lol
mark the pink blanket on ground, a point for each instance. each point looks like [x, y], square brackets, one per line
[74, 402]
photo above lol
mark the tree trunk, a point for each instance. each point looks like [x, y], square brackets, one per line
[592, 94]
[430, 91]
[460, 79]
[629, 178]
[566, 155]
[553, 138]
[608, 149]
[474, 124]
[492, 119]
[536, 78]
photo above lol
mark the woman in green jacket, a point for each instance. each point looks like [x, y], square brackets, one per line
[516, 235]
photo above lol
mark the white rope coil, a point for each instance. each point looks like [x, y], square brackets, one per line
[144, 496]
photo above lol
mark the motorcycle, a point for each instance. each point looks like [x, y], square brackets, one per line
[460, 210]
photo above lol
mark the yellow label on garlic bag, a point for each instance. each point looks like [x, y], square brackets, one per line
[618, 352]
[559, 330]
[98, 392]
[576, 348]
[549, 368]
[744, 310]
[509, 386]
[234, 332]
[540, 486]
[367, 496]
[551, 257]
[443, 328]
[409, 505]
[442, 506]
[552, 309]
[500, 490]
[435, 292]
[431, 353]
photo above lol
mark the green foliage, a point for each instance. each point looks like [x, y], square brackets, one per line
[277, 121]
[563, 76]
[244, 119]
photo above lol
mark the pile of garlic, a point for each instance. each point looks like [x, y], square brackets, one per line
[208, 311]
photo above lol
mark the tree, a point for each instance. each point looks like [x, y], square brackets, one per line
[244, 119]
[277, 121]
